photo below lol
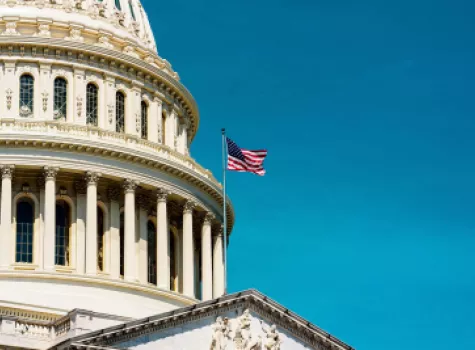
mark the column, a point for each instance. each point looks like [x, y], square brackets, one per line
[186, 126]
[188, 259]
[114, 197]
[91, 223]
[170, 128]
[40, 183]
[206, 258]
[218, 265]
[163, 244]
[81, 205]
[6, 234]
[129, 225]
[49, 237]
[143, 202]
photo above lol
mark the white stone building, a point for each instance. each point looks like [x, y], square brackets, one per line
[105, 219]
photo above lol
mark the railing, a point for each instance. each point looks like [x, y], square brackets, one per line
[91, 133]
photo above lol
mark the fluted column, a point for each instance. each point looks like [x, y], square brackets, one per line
[129, 225]
[6, 235]
[163, 244]
[114, 197]
[206, 258]
[218, 265]
[50, 218]
[91, 223]
[81, 205]
[143, 202]
[188, 258]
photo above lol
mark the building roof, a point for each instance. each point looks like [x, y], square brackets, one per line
[252, 299]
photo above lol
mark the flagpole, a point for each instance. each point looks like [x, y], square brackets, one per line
[225, 225]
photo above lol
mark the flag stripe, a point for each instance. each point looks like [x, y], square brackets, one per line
[244, 160]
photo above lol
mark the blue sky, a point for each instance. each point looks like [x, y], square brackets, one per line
[365, 222]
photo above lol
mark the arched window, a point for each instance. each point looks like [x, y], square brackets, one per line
[164, 124]
[24, 230]
[27, 88]
[144, 120]
[92, 104]
[173, 264]
[121, 239]
[152, 253]
[100, 239]
[118, 5]
[60, 98]
[119, 112]
[63, 225]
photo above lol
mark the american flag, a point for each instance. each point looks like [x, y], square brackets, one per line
[244, 160]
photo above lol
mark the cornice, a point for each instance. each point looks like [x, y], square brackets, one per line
[98, 58]
[268, 309]
[16, 133]
[100, 281]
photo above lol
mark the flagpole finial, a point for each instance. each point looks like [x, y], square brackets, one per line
[223, 130]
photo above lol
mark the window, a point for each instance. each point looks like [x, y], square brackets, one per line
[100, 239]
[152, 253]
[27, 83]
[92, 104]
[132, 10]
[119, 112]
[117, 5]
[24, 231]
[144, 120]
[60, 98]
[63, 224]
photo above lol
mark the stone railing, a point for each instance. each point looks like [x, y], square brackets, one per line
[101, 137]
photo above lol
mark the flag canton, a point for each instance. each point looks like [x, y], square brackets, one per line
[234, 150]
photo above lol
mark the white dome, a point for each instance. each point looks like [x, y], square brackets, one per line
[121, 20]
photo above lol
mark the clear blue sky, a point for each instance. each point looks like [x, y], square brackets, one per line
[365, 223]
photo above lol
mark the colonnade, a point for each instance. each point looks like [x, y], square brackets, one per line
[134, 240]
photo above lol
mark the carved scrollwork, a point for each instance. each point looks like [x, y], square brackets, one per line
[7, 171]
[50, 173]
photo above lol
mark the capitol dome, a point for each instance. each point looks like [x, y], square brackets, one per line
[101, 201]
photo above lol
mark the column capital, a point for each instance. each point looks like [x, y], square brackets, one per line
[162, 195]
[92, 178]
[130, 185]
[219, 232]
[209, 218]
[7, 171]
[50, 173]
[113, 193]
[189, 206]
[158, 101]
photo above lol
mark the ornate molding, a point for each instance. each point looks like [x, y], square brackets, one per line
[189, 207]
[92, 178]
[130, 185]
[50, 173]
[7, 171]
[162, 195]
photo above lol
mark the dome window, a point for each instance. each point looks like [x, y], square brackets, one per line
[27, 83]
[120, 112]
[91, 104]
[131, 7]
[24, 230]
[60, 98]
[144, 120]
